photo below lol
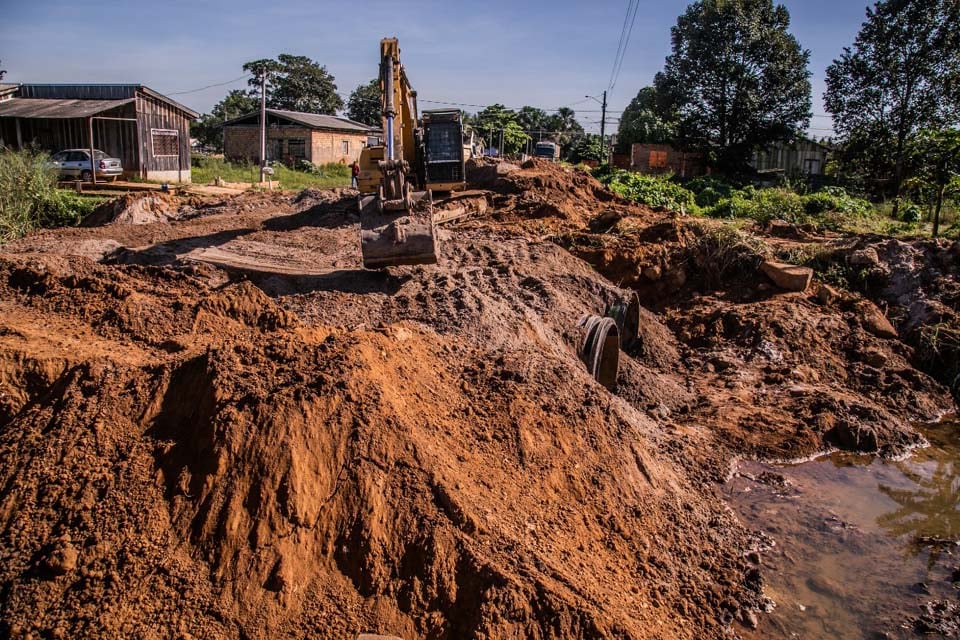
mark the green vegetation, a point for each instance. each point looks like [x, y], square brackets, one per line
[653, 191]
[235, 104]
[206, 169]
[830, 208]
[30, 199]
[295, 83]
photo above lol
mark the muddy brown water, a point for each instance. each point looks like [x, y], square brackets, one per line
[854, 546]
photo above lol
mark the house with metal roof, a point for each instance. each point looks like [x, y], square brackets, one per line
[148, 131]
[294, 136]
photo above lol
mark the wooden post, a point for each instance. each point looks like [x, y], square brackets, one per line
[19, 135]
[93, 166]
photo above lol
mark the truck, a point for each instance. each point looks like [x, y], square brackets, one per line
[548, 151]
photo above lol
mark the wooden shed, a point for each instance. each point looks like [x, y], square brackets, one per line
[148, 131]
[802, 157]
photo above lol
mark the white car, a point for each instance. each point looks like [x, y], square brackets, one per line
[75, 163]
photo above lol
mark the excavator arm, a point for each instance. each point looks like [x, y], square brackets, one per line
[396, 222]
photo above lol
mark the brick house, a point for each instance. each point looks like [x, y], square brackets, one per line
[293, 136]
[662, 158]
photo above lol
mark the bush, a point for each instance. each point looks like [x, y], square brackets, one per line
[716, 185]
[29, 198]
[761, 205]
[910, 212]
[708, 197]
[835, 199]
[817, 203]
[653, 191]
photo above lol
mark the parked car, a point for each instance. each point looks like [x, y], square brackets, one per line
[75, 163]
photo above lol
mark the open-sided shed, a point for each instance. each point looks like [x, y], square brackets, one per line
[148, 131]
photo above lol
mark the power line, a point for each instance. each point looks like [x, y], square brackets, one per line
[210, 86]
[623, 32]
[484, 106]
[626, 44]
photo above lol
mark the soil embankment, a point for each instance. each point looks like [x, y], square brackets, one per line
[216, 425]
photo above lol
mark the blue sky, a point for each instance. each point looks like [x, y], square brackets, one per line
[547, 54]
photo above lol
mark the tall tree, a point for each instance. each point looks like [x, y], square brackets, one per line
[532, 119]
[235, 104]
[936, 159]
[3, 72]
[584, 147]
[564, 126]
[366, 104]
[736, 78]
[900, 77]
[496, 118]
[642, 122]
[296, 83]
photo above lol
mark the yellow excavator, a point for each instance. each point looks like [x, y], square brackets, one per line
[417, 158]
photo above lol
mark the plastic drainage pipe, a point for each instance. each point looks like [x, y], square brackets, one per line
[600, 349]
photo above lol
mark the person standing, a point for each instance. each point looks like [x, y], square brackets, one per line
[355, 173]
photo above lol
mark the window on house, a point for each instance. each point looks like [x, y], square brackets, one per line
[297, 148]
[658, 159]
[346, 147]
[166, 142]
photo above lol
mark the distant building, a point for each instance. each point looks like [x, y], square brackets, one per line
[147, 131]
[292, 136]
[802, 157]
[663, 158]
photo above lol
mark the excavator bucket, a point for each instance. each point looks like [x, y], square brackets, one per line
[397, 232]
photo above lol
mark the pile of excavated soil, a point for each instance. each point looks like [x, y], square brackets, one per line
[224, 428]
[136, 208]
[541, 197]
[418, 452]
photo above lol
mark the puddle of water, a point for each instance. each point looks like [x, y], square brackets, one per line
[857, 544]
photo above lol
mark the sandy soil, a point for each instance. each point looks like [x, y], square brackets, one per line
[214, 424]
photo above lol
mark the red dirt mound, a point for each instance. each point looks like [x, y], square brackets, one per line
[135, 208]
[208, 461]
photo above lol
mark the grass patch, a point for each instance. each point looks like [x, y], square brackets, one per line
[206, 169]
[30, 199]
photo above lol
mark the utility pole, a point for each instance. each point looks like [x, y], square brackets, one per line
[603, 125]
[603, 120]
[263, 121]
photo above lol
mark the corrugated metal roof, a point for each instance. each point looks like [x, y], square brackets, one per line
[50, 108]
[311, 120]
[97, 92]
